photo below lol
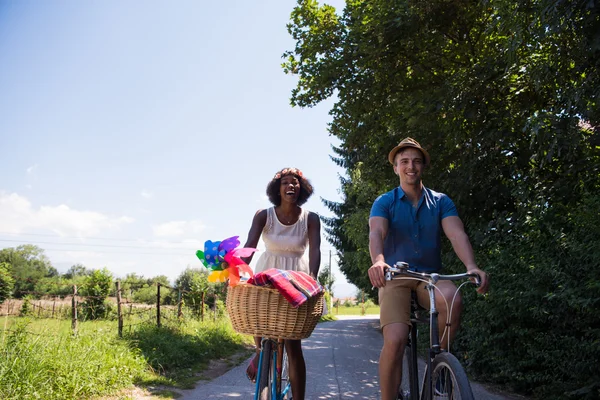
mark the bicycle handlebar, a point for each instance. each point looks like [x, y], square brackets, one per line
[401, 268]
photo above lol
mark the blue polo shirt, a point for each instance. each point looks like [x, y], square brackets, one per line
[414, 234]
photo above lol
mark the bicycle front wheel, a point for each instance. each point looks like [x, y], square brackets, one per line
[265, 370]
[285, 377]
[449, 380]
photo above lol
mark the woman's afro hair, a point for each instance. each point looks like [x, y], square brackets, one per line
[306, 189]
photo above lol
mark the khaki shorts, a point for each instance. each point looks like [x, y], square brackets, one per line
[394, 299]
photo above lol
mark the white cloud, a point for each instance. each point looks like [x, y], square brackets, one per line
[32, 169]
[178, 228]
[146, 194]
[18, 215]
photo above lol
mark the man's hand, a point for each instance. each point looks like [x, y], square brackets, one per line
[483, 278]
[376, 274]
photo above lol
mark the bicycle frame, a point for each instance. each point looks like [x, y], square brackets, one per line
[401, 269]
[276, 358]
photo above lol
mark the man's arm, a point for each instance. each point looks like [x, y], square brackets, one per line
[455, 231]
[378, 228]
[314, 244]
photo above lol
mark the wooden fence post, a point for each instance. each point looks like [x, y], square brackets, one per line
[179, 311]
[130, 302]
[53, 306]
[74, 310]
[158, 304]
[119, 313]
[202, 308]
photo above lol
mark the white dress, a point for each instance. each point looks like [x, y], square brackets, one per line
[285, 244]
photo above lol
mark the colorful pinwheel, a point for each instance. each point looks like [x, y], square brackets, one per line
[223, 259]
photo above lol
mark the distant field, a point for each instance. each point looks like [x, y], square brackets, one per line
[354, 310]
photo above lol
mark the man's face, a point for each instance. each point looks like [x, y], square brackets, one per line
[409, 165]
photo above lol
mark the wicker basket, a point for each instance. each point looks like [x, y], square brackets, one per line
[261, 311]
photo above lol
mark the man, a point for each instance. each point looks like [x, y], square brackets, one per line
[405, 225]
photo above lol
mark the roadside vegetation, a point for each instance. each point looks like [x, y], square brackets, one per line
[43, 359]
[126, 335]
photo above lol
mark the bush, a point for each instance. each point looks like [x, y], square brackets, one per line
[26, 308]
[7, 282]
[146, 295]
[544, 297]
[97, 286]
[327, 300]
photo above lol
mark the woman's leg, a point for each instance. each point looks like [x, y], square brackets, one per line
[252, 369]
[297, 368]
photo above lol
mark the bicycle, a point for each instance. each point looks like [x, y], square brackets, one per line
[272, 380]
[263, 312]
[444, 377]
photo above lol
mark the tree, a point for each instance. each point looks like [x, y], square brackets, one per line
[28, 264]
[326, 279]
[162, 279]
[77, 270]
[504, 95]
[6, 282]
[56, 286]
[193, 282]
[132, 283]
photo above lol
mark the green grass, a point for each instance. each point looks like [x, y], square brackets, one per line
[42, 359]
[178, 353]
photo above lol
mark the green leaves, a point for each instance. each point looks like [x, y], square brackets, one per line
[504, 95]
[6, 282]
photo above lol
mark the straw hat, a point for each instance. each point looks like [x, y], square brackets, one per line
[408, 142]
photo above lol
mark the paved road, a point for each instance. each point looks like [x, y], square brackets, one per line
[342, 360]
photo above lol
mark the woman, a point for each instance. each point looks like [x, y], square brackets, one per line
[287, 229]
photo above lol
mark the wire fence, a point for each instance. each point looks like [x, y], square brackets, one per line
[127, 313]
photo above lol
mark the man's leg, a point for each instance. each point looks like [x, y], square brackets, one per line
[394, 317]
[395, 337]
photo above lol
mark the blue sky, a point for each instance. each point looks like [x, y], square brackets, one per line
[131, 132]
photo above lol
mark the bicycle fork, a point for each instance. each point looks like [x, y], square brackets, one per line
[276, 361]
[434, 336]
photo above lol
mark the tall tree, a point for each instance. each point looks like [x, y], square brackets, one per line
[28, 265]
[504, 94]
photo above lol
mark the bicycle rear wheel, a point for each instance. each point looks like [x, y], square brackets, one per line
[265, 371]
[449, 380]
